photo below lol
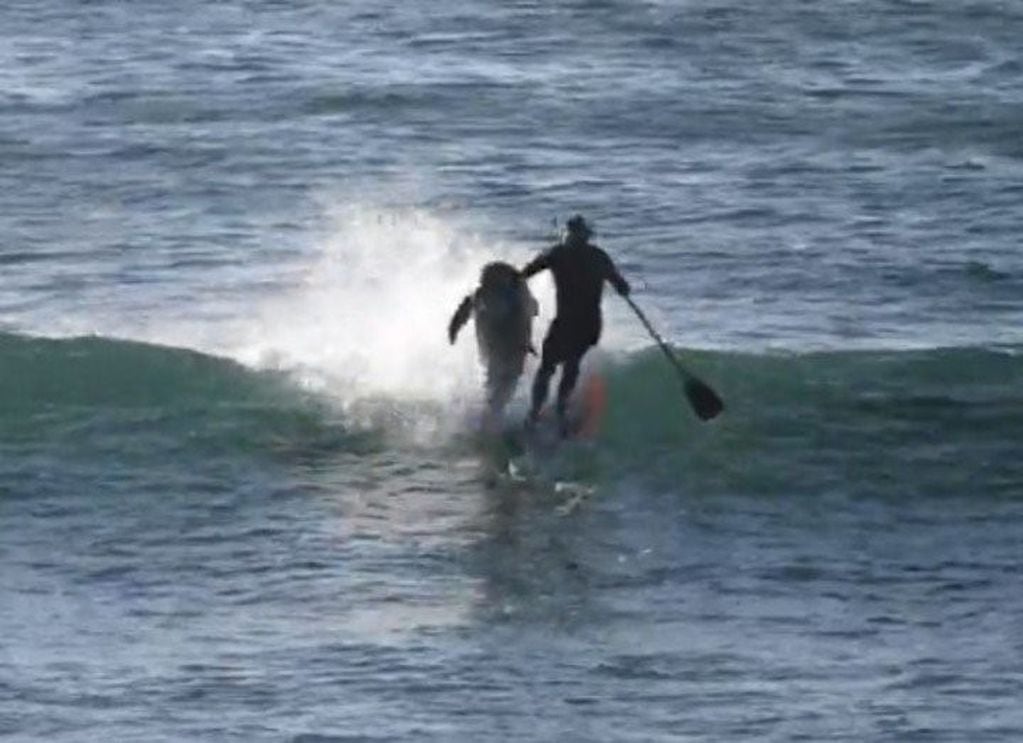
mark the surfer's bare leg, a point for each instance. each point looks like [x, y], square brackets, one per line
[541, 384]
[569, 376]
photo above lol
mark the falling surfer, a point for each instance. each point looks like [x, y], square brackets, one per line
[502, 309]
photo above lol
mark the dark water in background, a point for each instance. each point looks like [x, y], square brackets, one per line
[248, 505]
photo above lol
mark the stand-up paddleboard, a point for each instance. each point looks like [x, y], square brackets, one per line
[584, 420]
[541, 455]
[586, 415]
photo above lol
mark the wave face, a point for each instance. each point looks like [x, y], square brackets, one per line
[242, 497]
[942, 422]
[891, 424]
[94, 372]
[88, 397]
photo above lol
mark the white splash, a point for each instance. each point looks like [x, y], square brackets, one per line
[369, 317]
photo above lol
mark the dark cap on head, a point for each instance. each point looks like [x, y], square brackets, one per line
[577, 226]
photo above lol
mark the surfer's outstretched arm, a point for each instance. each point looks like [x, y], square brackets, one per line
[536, 265]
[460, 318]
[614, 276]
[532, 306]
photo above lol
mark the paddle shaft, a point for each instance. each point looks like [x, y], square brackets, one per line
[686, 375]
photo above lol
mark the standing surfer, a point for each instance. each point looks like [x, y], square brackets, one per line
[580, 269]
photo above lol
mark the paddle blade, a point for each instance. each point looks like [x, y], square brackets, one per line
[704, 400]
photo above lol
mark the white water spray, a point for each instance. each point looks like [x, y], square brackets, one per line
[369, 319]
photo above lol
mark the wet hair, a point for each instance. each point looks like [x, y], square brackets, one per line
[577, 226]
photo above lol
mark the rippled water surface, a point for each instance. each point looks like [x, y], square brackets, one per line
[242, 493]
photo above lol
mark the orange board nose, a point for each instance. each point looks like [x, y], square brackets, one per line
[593, 404]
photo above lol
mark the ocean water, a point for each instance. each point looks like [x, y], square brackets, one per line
[243, 495]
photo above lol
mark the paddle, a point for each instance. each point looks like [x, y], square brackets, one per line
[704, 400]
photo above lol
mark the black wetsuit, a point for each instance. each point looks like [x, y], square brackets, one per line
[580, 269]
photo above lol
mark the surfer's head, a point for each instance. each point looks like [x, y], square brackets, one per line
[578, 229]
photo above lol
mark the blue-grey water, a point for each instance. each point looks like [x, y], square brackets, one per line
[242, 492]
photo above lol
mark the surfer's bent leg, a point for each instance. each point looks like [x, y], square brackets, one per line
[579, 343]
[551, 356]
[569, 376]
[541, 383]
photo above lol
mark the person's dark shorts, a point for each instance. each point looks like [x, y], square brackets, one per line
[567, 341]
